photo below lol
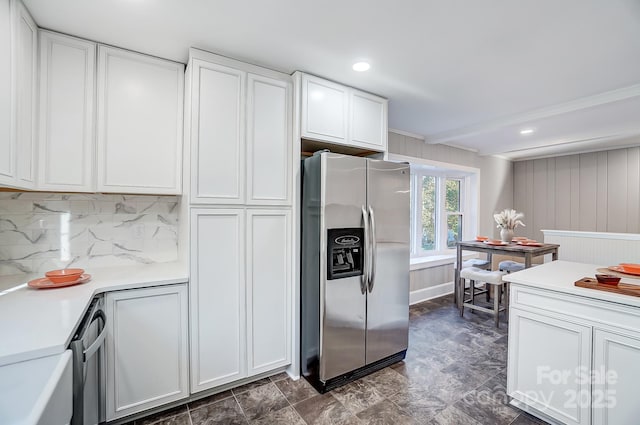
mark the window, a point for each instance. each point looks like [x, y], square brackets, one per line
[439, 209]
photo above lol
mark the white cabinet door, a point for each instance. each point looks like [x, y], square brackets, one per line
[67, 86]
[139, 118]
[616, 377]
[368, 120]
[217, 134]
[146, 348]
[269, 143]
[546, 358]
[217, 298]
[7, 139]
[26, 45]
[325, 108]
[268, 289]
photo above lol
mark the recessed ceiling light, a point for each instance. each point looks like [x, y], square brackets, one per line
[526, 131]
[361, 66]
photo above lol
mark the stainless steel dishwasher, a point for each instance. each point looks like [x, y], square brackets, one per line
[88, 359]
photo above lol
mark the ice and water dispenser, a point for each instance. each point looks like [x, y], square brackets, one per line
[345, 252]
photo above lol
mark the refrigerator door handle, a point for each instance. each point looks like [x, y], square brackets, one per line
[364, 279]
[374, 249]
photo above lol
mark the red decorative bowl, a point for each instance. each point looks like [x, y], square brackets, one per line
[607, 279]
[64, 275]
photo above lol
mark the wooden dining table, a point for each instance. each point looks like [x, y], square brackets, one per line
[528, 252]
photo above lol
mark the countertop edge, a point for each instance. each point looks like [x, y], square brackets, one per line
[572, 272]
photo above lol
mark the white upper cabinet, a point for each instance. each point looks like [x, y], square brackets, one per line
[269, 159]
[240, 133]
[339, 114]
[18, 95]
[139, 123]
[325, 108]
[368, 120]
[217, 134]
[26, 33]
[7, 141]
[66, 136]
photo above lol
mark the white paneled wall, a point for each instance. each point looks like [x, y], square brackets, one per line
[601, 248]
[597, 192]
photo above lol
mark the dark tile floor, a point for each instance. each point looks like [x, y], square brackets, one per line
[454, 373]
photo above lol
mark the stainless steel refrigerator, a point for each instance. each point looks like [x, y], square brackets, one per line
[355, 267]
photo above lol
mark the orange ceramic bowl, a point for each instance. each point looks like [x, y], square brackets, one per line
[64, 275]
[630, 267]
[519, 238]
[481, 238]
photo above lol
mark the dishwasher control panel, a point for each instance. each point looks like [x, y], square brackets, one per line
[345, 252]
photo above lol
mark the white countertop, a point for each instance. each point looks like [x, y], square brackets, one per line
[560, 276]
[40, 322]
[38, 391]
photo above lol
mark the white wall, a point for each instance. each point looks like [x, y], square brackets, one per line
[598, 191]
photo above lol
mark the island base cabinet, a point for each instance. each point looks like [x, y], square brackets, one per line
[547, 361]
[615, 378]
[146, 349]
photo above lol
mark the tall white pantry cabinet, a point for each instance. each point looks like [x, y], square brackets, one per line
[239, 183]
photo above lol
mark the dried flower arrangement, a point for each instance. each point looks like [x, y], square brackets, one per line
[508, 219]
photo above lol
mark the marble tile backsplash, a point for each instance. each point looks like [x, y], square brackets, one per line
[44, 231]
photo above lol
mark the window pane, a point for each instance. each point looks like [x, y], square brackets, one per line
[428, 213]
[453, 195]
[454, 229]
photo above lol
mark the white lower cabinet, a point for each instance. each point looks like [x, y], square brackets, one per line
[146, 349]
[546, 356]
[217, 297]
[616, 363]
[240, 291]
[268, 289]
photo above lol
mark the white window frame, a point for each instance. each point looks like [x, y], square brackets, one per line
[469, 206]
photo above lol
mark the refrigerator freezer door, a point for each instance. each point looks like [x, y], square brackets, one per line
[388, 299]
[343, 306]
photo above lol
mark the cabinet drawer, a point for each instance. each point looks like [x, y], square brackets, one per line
[595, 311]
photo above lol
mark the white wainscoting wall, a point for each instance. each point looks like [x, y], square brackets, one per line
[606, 249]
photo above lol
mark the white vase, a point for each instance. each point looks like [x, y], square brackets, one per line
[506, 235]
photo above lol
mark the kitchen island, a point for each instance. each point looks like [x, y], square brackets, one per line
[574, 353]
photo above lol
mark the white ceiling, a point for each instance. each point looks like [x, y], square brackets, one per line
[460, 72]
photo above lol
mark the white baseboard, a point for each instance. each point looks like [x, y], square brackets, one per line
[425, 294]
